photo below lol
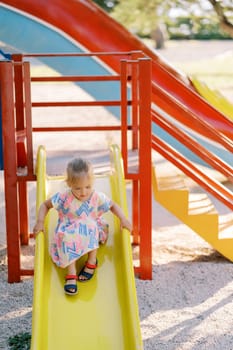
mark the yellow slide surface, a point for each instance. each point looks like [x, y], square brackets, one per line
[215, 98]
[104, 314]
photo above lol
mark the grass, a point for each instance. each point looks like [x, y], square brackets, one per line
[20, 341]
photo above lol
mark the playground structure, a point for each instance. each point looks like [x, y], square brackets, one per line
[176, 109]
[17, 135]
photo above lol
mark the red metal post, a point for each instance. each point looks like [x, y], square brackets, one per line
[124, 114]
[135, 146]
[23, 195]
[28, 117]
[23, 212]
[21, 129]
[145, 190]
[19, 100]
[10, 170]
[135, 104]
[129, 73]
[135, 211]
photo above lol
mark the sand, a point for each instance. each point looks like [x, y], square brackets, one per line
[188, 304]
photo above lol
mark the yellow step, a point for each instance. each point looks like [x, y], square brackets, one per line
[196, 210]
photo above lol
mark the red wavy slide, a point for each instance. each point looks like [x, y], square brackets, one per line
[94, 29]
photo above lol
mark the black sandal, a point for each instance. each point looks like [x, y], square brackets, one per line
[88, 276]
[71, 289]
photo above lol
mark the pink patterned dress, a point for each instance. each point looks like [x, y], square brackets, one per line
[80, 226]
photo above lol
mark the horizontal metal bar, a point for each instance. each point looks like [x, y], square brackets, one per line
[78, 103]
[24, 272]
[79, 128]
[76, 78]
[84, 54]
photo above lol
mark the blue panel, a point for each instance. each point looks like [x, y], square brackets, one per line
[26, 35]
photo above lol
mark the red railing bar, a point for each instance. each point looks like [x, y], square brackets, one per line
[26, 272]
[83, 54]
[211, 185]
[175, 105]
[77, 78]
[80, 128]
[194, 146]
[189, 95]
[22, 178]
[132, 176]
[78, 103]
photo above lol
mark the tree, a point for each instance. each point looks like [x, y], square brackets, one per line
[141, 17]
[145, 17]
[225, 15]
[107, 5]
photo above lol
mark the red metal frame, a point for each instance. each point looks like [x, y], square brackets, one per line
[135, 119]
[17, 128]
[139, 75]
[10, 170]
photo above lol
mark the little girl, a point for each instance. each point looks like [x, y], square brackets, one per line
[80, 226]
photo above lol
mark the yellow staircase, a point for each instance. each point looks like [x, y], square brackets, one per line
[194, 209]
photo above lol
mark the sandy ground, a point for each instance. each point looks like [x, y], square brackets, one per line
[188, 304]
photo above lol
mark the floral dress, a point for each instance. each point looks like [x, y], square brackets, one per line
[80, 226]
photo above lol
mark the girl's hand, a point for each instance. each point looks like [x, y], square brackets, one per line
[125, 223]
[43, 210]
[39, 226]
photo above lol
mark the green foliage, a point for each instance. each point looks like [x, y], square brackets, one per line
[139, 16]
[199, 28]
[209, 30]
[107, 5]
[184, 19]
[20, 341]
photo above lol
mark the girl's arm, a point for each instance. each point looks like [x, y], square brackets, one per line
[43, 210]
[115, 209]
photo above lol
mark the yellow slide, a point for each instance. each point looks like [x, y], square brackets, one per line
[104, 314]
[215, 98]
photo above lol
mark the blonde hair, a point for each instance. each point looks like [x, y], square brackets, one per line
[77, 168]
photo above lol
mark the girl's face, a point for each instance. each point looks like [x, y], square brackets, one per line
[82, 188]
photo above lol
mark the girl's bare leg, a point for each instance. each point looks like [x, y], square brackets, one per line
[92, 257]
